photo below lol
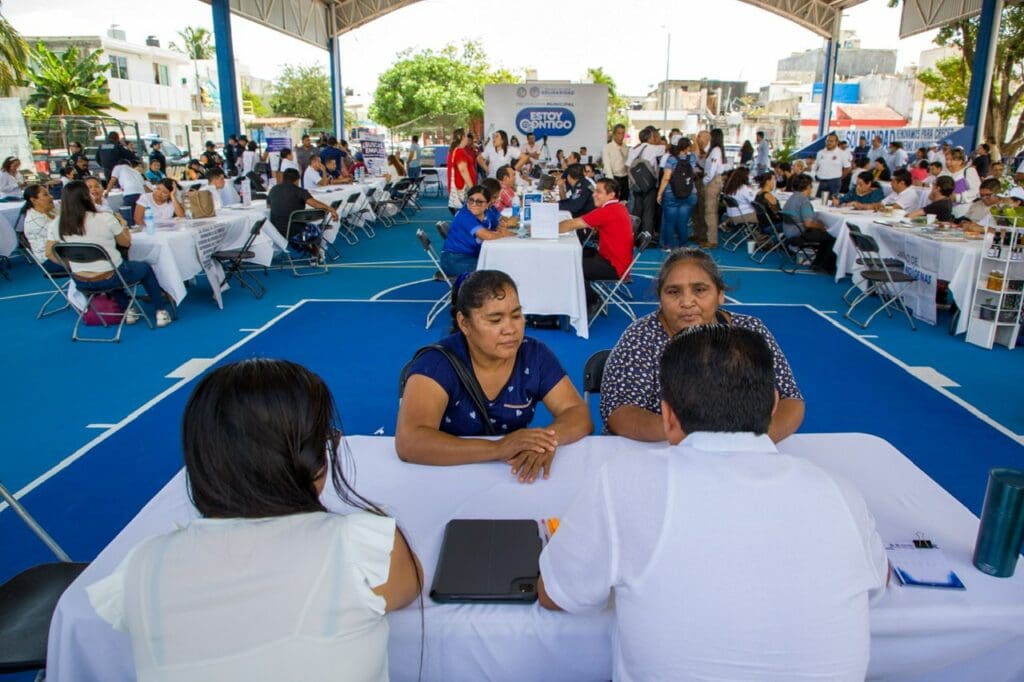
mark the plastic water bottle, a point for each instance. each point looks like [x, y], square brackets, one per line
[515, 208]
[187, 205]
[148, 221]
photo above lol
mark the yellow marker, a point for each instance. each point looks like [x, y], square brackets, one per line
[552, 525]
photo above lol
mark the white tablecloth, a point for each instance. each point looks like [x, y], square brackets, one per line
[547, 272]
[955, 262]
[8, 238]
[917, 634]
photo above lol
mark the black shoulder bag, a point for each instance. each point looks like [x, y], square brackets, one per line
[468, 381]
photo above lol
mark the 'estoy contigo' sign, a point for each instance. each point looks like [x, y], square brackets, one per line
[546, 121]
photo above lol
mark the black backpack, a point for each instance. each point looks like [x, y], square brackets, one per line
[641, 177]
[681, 180]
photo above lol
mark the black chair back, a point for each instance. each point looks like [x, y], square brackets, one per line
[82, 253]
[868, 250]
[593, 371]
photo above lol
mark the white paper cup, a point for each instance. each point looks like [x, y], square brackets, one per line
[930, 218]
[898, 213]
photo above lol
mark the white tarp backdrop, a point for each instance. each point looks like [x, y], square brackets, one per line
[569, 115]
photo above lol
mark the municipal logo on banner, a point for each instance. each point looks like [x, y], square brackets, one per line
[546, 121]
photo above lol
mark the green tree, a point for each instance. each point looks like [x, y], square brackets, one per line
[949, 82]
[259, 107]
[14, 58]
[70, 84]
[428, 82]
[304, 91]
[617, 104]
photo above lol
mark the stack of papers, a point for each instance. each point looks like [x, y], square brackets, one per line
[916, 566]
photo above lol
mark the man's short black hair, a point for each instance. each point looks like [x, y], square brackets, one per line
[719, 378]
[611, 186]
[645, 134]
[575, 171]
[992, 185]
[290, 176]
[903, 175]
[210, 143]
[214, 173]
[945, 185]
[760, 133]
[800, 182]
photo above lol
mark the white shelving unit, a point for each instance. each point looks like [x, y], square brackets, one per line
[996, 309]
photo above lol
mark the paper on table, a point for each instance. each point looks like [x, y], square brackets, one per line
[544, 221]
[922, 567]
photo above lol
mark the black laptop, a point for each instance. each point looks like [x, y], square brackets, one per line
[488, 561]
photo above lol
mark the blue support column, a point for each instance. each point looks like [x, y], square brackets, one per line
[829, 77]
[337, 91]
[981, 67]
[226, 68]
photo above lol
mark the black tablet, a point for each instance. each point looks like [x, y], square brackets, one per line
[489, 561]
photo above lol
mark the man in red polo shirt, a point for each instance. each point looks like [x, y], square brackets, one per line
[614, 226]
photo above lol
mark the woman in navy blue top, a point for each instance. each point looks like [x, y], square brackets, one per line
[468, 230]
[515, 373]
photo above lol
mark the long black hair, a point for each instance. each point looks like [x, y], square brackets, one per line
[75, 205]
[717, 140]
[31, 192]
[503, 136]
[472, 290]
[257, 435]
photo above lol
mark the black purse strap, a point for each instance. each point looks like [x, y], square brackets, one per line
[468, 381]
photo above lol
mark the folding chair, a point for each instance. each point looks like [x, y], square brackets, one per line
[59, 291]
[887, 283]
[797, 250]
[608, 290]
[232, 260]
[743, 233]
[443, 226]
[297, 222]
[414, 192]
[891, 263]
[401, 194]
[443, 302]
[431, 180]
[345, 207]
[593, 372]
[364, 212]
[28, 600]
[94, 253]
[769, 237]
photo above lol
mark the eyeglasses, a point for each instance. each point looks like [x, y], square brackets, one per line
[477, 202]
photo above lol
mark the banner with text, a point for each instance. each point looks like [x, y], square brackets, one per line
[374, 155]
[564, 116]
[921, 259]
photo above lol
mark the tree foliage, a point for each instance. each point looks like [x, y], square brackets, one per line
[196, 43]
[14, 58]
[70, 84]
[950, 81]
[428, 82]
[305, 92]
[617, 104]
[259, 107]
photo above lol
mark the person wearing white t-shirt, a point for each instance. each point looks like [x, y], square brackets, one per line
[221, 189]
[965, 179]
[877, 150]
[132, 184]
[266, 584]
[163, 201]
[496, 155]
[645, 204]
[829, 165]
[725, 559]
[285, 161]
[316, 175]
[904, 195]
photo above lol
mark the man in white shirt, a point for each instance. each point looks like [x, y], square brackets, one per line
[315, 175]
[903, 195]
[727, 559]
[531, 150]
[223, 192]
[645, 204]
[614, 161]
[763, 158]
[829, 166]
[897, 156]
[877, 150]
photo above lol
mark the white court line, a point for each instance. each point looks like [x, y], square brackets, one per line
[286, 307]
[114, 428]
[190, 369]
[11, 298]
[933, 377]
[248, 329]
[868, 336]
[100, 426]
[376, 296]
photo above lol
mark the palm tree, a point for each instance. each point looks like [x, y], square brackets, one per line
[14, 58]
[70, 84]
[196, 43]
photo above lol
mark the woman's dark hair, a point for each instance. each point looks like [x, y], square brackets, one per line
[800, 182]
[867, 177]
[168, 184]
[503, 137]
[257, 434]
[31, 192]
[719, 378]
[285, 153]
[883, 173]
[763, 179]
[471, 291]
[457, 136]
[251, 147]
[685, 255]
[717, 140]
[945, 185]
[492, 186]
[478, 189]
[9, 164]
[739, 177]
[75, 205]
